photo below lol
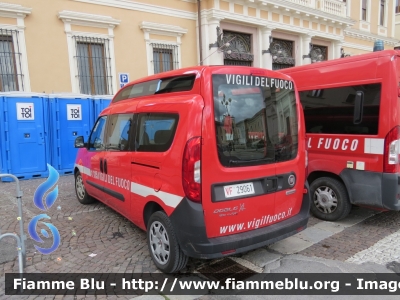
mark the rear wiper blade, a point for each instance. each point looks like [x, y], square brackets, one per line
[250, 162]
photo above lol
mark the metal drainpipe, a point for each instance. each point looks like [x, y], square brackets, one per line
[199, 24]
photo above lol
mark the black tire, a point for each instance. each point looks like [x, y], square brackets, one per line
[173, 259]
[329, 199]
[80, 190]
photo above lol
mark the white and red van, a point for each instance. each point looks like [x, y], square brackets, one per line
[210, 161]
[352, 114]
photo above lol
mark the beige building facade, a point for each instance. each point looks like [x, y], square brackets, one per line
[94, 46]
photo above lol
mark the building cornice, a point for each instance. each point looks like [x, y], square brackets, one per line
[84, 19]
[148, 8]
[8, 10]
[297, 10]
[262, 23]
[366, 36]
[162, 29]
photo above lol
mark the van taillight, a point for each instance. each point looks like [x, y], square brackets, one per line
[392, 151]
[191, 169]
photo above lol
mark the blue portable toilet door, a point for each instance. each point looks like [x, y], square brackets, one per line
[74, 116]
[27, 135]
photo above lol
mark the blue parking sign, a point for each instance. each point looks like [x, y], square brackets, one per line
[123, 77]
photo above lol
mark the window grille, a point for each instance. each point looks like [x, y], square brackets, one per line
[11, 77]
[282, 54]
[240, 53]
[94, 65]
[318, 53]
[165, 57]
[232, 62]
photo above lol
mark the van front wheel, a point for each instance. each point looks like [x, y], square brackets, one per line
[80, 190]
[163, 246]
[329, 199]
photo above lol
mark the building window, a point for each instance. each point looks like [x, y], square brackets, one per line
[364, 10]
[397, 6]
[282, 54]
[318, 53]
[91, 55]
[11, 77]
[382, 13]
[162, 55]
[240, 53]
[93, 62]
[165, 57]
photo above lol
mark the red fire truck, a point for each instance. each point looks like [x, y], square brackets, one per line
[352, 113]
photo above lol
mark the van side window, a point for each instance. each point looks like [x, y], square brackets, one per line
[331, 110]
[118, 132]
[96, 140]
[156, 131]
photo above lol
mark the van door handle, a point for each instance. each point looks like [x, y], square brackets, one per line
[101, 165]
[358, 107]
[105, 166]
[271, 184]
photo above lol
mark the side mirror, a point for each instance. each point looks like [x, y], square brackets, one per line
[79, 142]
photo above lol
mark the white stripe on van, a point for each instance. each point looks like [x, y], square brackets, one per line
[374, 146]
[83, 170]
[144, 191]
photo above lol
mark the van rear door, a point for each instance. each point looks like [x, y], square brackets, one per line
[254, 131]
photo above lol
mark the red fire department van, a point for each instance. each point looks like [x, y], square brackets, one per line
[352, 114]
[174, 153]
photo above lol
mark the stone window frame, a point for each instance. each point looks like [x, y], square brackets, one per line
[166, 30]
[18, 12]
[89, 20]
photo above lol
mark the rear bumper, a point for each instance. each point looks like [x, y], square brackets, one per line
[373, 189]
[190, 230]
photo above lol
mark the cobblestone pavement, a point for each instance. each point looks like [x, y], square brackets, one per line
[94, 238]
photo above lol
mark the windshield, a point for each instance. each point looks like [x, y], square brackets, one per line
[255, 119]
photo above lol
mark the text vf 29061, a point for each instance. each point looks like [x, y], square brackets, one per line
[185, 154]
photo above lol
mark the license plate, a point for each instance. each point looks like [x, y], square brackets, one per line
[235, 190]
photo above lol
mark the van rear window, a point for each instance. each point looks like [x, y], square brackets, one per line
[157, 86]
[255, 120]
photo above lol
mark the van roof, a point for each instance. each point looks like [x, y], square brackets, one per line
[336, 61]
[194, 70]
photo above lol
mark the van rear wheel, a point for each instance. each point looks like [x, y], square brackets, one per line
[330, 201]
[80, 190]
[163, 245]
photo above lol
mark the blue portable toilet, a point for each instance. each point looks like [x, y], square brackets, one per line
[70, 116]
[100, 102]
[24, 135]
